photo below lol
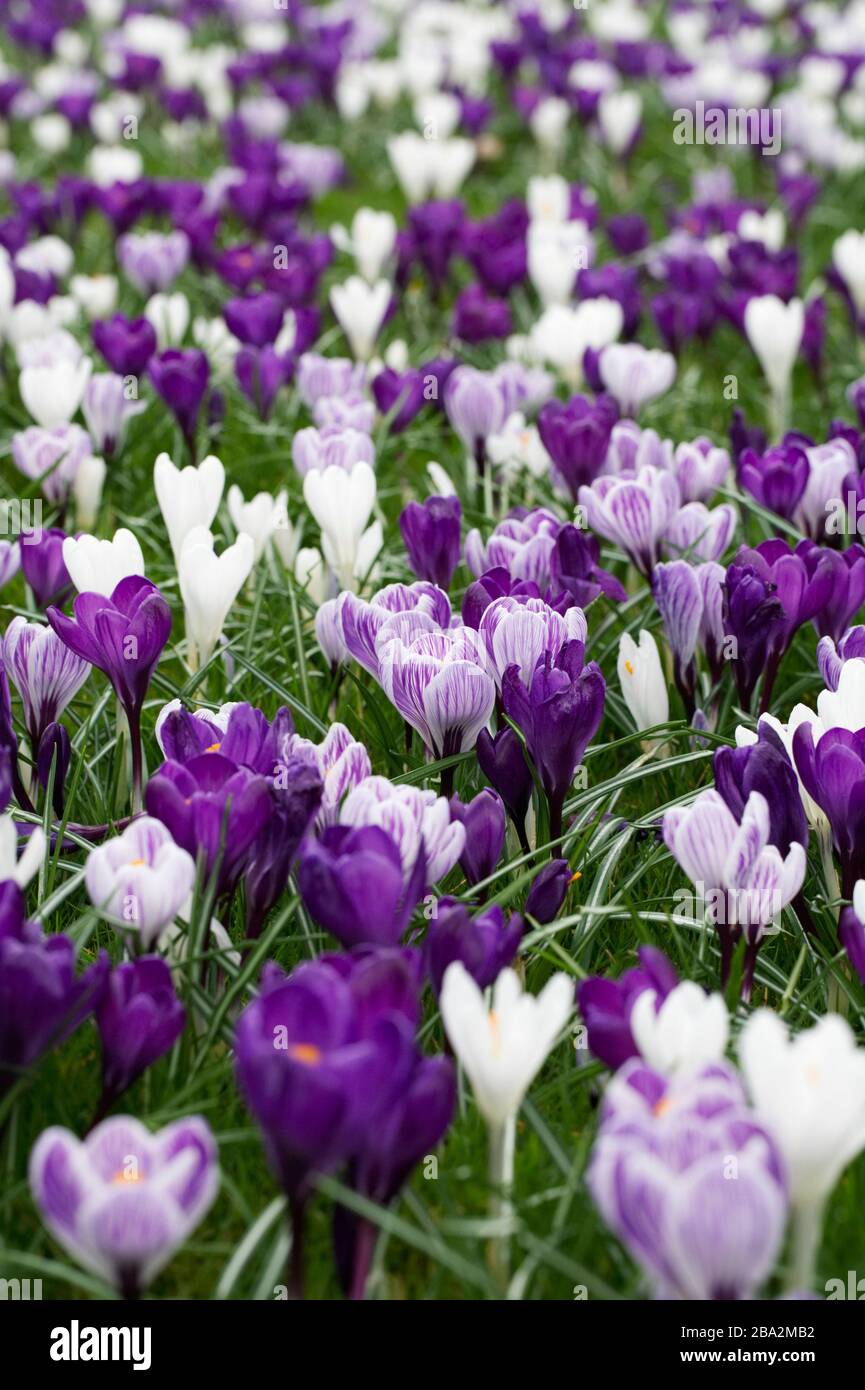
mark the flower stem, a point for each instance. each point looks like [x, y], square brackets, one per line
[807, 1223]
[297, 1214]
[133, 717]
[502, 1141]
[363, 1252]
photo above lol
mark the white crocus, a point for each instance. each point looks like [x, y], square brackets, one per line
[810, 1092]
[310, 573]
[687, 1031]
[209, 584]
[642, 680]
[769, 228]
[371, 241]
[360, 309]
[52, 392]
[562, 334]
[169, 315]
[96, 294]
[87, 490]
[848, 257]
[844, 708]
[548, 124]
[556, 252]
[799, 714]
[24, 869]
[259, 518]
[619, 115]
[774, 330]
[187, 497]
[440, 480]
[342, 504]
[97, 567]
[548, 199]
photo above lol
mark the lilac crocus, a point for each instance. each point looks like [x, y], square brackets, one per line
[336, 445]
[673, 1145]
[213, 809]
[431, 532]
[341, 762]
[139, 1018]
[606, 1004]
[42, 999]
[140, 880]
[124, 636]
[700, 468]
[153, 260]
[832, 772]
[363, 623]
[45, 671]
[123, 1200]
[485, 822]
[831, 658]
[635, 375]
[700, 533]
[440, 685]
[476, 409]
[519, 631]
[577, 436]
[634, 513]
[742, 879]
[51, 457]
[108, 406]
[352, 884]
[522, 544]
[180, 378]
[559, 713]
[690, 601]
[485, 944]
[126, 344]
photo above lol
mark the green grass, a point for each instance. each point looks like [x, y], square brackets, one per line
[434, 1238]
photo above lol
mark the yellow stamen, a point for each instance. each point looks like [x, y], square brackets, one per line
[136, 863]
[214, 748]
[629, 668]
[662, 1106]
[307, 1053]
[121, 1177]
[575, 877]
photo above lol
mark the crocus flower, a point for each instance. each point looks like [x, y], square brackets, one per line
[606, 1005]
[335, 446]
[712, 1238]
[634, 375]
[126, 344]
[765, 767]
[97, 567]
[754, 619]
[152, 260]
[523, 544]
[476, 409]
[416, 819]
[549, 890]
[431, 532]
[809, 1090]
[847, 590]
[635, 513]
[501, 760]
[51, 457]
[831, 766]
[360, 309]
[180, 377]
[139, 1018]
[296, 797]
[209, 585]
[700, 468]
[831, 658]
[141, 879]
[559, 714]
[364, 623]
[42, 1000]
[188, 497]
[108, 405]
[440, 686]
[520, 630]
[503, 1046]
[851, 929]
[353, 884]
[53, 756]
[46, 672]
[576, 436]
[742, 879]
[699, 533]
[642, 680]
[122, 1201]
[52, 391]
[484, 944]
[212, 808]
[485, 822]
[774, 330]
[124, 636]
[342, 763]
[776, 478]
[342, 504]
[43, 566]
[684, 1031]
[681, 599]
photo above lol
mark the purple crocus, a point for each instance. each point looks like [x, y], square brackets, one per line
[322, 1056]
[847, 590]
[485, 822]
[180, 377]
[485, 944]
[126, 344]
[764, 767]
[754, 619]
[352, 882]
[833, 775]
[776, 478]
[124, 636]
[606, 1004]
[690, 601]
[831, 658]
[214, 809]
[296, 793]
[42, 1000]
[670, 1148]
[576, 436]
[255, 321]
[261, 373]
[139, 1018]
[43, 566]
[549, 890]
[851, 929]
[122, 1201]
[559, 713]
[431, 532]
[502, 761]
[479, 317]
[575, 570]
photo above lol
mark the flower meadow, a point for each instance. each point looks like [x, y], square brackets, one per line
[432, 649]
